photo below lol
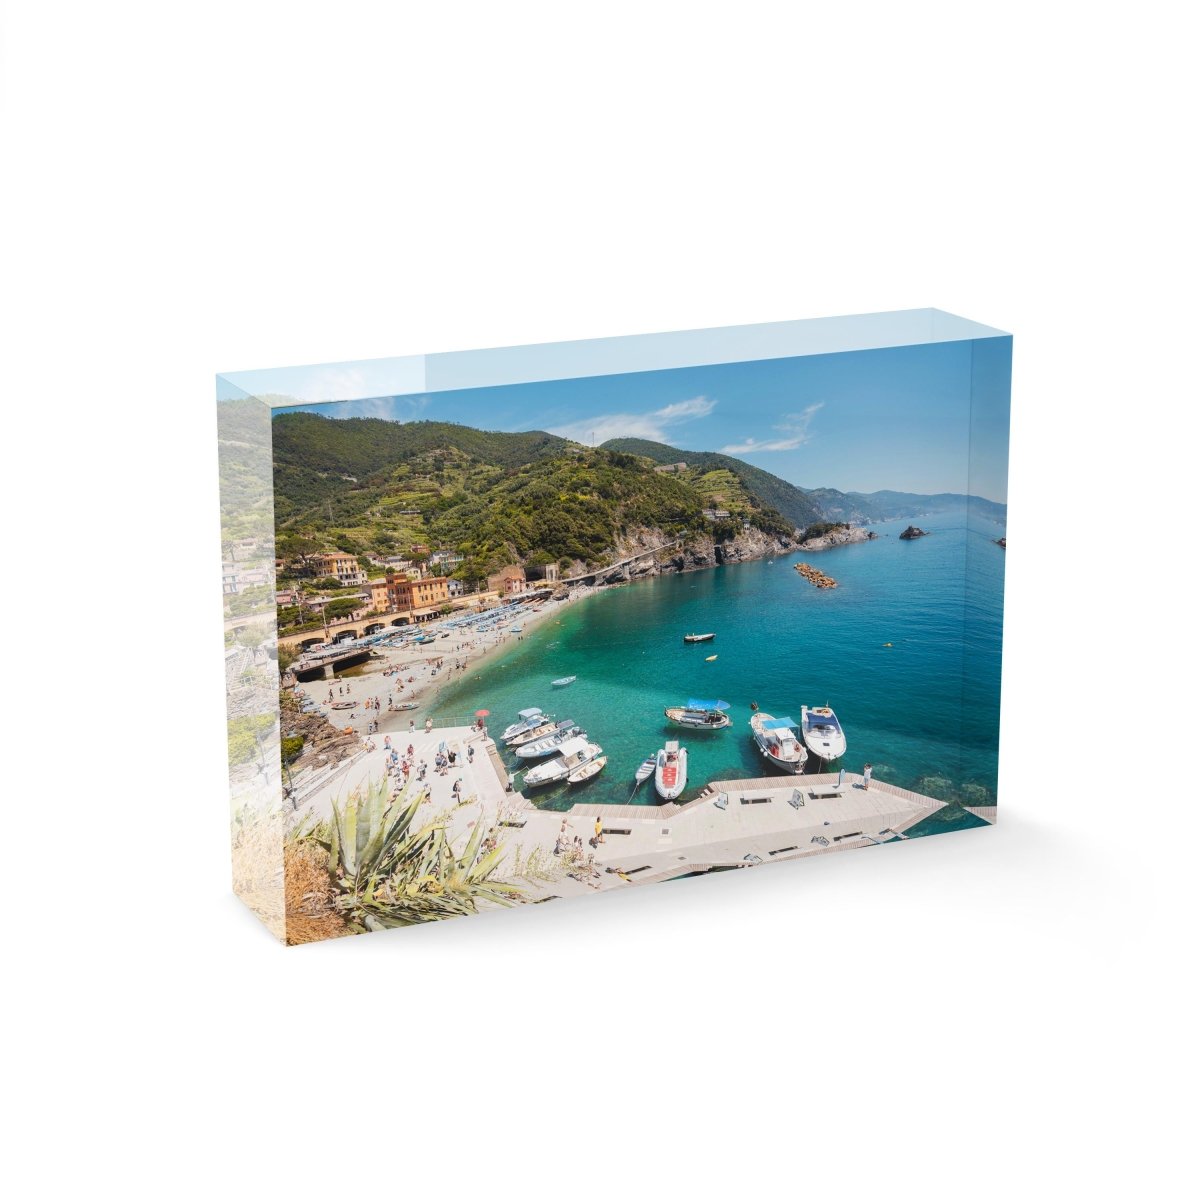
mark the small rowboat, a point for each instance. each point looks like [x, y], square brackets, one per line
[645, 770]
[698, 637]
[711, 658]
[406, 705]
[565, 681]
[589, 770]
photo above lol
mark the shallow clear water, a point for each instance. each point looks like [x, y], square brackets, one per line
[924, 711]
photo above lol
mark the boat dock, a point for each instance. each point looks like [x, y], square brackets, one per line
[732, 823]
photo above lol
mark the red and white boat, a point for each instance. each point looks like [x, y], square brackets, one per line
[670, 771]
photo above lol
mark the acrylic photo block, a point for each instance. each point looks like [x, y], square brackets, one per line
[519, 625]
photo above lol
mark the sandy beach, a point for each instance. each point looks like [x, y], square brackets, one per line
[418, 673]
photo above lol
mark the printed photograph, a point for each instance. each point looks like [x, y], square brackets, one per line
[543, 640]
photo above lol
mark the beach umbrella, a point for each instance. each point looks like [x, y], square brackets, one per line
[483, 712]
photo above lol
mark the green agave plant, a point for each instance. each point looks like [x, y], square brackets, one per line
[392, 873]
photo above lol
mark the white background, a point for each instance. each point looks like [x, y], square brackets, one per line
[218, 186]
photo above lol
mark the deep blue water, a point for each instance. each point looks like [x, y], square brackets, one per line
[924, 711]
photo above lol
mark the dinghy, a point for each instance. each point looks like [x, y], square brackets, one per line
[589, 770]
[692, 638]
[565, 681]
[670, 771]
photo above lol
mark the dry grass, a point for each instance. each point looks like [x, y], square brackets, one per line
[308, 894]
[258, 869]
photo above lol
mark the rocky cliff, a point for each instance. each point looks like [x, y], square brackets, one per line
[842, 536]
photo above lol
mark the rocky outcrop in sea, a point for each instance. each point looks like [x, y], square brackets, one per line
[842, 536]
[913, 532]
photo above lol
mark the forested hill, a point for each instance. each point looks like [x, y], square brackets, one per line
[769, 490]
[372, 487]
[316, 457]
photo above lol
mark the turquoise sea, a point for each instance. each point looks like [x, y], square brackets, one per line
[924, 711]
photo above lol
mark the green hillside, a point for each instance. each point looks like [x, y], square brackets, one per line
[759, 486]
[373, 487]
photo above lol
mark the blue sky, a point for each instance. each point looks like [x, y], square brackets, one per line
[896, 418]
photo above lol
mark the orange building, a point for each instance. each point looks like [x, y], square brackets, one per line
[403, 593]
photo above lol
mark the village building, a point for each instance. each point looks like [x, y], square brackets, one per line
[509, 581]
[342, 567]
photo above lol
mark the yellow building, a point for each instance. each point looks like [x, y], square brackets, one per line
[342, 567]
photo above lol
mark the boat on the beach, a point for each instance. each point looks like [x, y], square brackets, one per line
[573, 754]
[645, 770]
[700, 714]
[698, 637]
[777, 742]
[405, 705]
[565, 681]
[551, 742]
[589, 770]
[670, 771]
[527, 719]
[822, 733]
[545, 729]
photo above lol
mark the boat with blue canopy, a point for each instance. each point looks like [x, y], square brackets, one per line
[776, 740]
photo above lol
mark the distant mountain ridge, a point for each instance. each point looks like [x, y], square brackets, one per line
[864, 507]
[808, 506]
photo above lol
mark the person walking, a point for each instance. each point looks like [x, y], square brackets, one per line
[867, 777]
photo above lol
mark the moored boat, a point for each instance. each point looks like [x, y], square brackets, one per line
[777, 742]
[700, 714]
[565, 681]
[822, 733]
[527, 718]
[551, 742]
[645, 770]
[545, 729]
[589, 770]
[670, 771]
[573, 754]
[692, 638]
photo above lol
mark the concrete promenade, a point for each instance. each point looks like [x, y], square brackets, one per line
[733, 823]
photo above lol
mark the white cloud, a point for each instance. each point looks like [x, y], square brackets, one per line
[391, 408]
[653, 426]
[794, 427]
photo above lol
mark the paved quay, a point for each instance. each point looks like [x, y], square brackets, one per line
[732, 824]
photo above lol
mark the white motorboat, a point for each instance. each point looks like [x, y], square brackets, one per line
[551, 743]
[776, 740]
[528, 718]
[670, 771]
[700, 714]
[822, 733]
[589, 770]
[573, 753]
[545, 729]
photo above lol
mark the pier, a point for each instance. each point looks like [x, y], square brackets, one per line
[733, 823]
